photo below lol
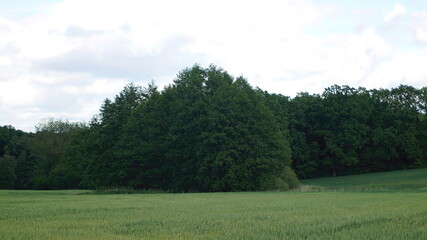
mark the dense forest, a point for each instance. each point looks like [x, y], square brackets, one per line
[209, 131]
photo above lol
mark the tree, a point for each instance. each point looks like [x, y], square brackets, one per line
[210, 131]
[345, 113]
[143, 144]
[6, 135]
[223, 137]
[48, 146]
[104, 156]
[7, 172]
[205, 132]
[305, 143]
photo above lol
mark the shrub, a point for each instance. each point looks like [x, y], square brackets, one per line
[285, 181]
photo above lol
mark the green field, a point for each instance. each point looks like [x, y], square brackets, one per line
[405, 180]
[332, 214]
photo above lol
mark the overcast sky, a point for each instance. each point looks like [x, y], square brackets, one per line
[61, 59]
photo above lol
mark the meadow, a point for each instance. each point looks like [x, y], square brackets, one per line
[403, 180]
[333, 213]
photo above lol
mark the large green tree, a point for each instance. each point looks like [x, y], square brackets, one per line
[49, 146]
[104, 155]
[305, 142]
[7, 172]
[207, 131]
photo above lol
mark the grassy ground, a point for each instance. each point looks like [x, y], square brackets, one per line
[259, 215]
[406, 180]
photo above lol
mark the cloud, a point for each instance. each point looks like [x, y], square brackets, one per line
[312, 63]
[76, 97]
[419, 26]
[76, 31]
[116, 57]
[64, 59]
[398, 10]
[105, 86]
[17, 93]
[403, 68]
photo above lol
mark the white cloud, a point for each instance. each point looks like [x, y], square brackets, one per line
[64, 61]
[72, 90]
[419, 26]
[312, 63]
[106, 86]
[17, 93]
[397, 11]
[407, 67]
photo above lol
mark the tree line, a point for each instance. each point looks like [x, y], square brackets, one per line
[209, 131]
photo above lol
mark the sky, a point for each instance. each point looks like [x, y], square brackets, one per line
[62, 59]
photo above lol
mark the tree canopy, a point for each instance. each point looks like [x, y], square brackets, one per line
[210, 131]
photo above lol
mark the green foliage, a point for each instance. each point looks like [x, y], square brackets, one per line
[289, 177]
[49, 146]
[18, 148]
[226, 138]
[36, 157]
[286, 180]
[6, 133]
[193, 136]
[206, 132]
[305, 144]
[13, 156]
[51, 125]
[7, 172]
[209, 131]
[350, 131]
[71, 169]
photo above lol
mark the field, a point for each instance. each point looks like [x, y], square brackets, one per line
[405, 180]
[333, 213]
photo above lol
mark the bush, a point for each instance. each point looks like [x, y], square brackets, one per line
[285, 181]
[288, 175]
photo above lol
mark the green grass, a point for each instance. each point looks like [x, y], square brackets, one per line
[405, 180]
[271, 215]
[331, 214]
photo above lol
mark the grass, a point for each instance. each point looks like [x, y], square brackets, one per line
[254, 215]
[405, 180]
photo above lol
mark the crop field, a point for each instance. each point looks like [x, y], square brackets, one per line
[76, 214]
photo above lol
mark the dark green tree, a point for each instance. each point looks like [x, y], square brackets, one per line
[343, 128]
[17, 147]
[48, 146]
[305, 142]
[223, 136]
[7, 172]
[104, 156]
